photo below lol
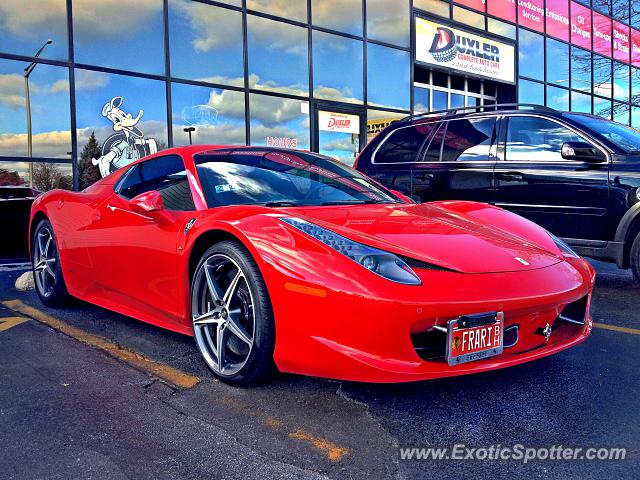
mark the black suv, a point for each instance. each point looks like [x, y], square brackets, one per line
[575, 174]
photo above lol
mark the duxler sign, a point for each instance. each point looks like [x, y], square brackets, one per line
[446, 46]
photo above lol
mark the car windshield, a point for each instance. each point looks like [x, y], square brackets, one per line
[281, 178]
[625, 137]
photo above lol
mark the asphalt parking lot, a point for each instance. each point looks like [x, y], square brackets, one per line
[86, 393]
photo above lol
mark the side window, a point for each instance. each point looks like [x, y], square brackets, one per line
[404, 144]
[434, 145]
[167, 175]
[468, 140]
[537, 139]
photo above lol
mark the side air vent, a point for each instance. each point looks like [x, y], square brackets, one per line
[413, 263]
[575, 313]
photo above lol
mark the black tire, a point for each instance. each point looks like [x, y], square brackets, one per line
[52, 291]
[634, 258]
[259, 365]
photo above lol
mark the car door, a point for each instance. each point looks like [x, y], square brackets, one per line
[458, 161]
[570, 198]
[134, 252]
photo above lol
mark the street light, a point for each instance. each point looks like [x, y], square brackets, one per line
[27, 72]
[189, 130]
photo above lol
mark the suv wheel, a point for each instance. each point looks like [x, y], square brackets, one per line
[634, 258]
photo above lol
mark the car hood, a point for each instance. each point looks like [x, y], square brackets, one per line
[433, 234]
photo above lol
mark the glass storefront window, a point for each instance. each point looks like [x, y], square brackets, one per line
[278, 56]
[389, 21]
[332, 54]
[205, 43]
[378, 120]
[601, 76]
[602, 32]
[49, 107]
[23, 31]
[341, 15]
[127, 115]
[279, 122]
[292, 10]
[580, 69]
[439, 100]
[581, 25]
[437, 7]
[216, 115]
[621, 113]
[504, 9]
[635, 117]
[557, 98]
[530, 92]
[530, 52]
[467, 17]
[602, 107]
[44, 176]
[388, 77]
[602, 6]
[635, 85]
[621, 81]
[557, 62]
[531, 14]
[580, 102]
[501, 28]
[421, 100]
[131, 39]
[557, 13]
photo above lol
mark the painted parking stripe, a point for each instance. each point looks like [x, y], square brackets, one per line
[134, 359]
[9, 322]
[616, 328]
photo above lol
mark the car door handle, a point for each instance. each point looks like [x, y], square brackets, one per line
[510, 176]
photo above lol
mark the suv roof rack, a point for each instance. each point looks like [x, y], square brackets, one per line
[491, 106]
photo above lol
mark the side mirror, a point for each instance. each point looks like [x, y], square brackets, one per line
[581, 151]
[146, 202]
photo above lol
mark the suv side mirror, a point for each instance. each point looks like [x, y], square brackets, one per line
[146, 202]
[581, 151]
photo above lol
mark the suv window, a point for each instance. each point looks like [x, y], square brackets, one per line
[404, 144]
[167, 175]
[537, 139]
[468, 140]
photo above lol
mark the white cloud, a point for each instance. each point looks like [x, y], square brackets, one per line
[12, 90]
[89, 80]
[54, 144]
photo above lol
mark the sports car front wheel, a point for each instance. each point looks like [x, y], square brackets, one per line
[47, 271]
[232, 317]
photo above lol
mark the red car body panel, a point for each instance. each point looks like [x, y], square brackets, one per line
[333, 317]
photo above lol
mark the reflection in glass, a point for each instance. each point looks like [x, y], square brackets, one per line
[620, 9]
[332, 54]
[602, 107]
[557, 98]
[389, 21]
[421, 100]
[437, 7]
[205, 43]
[557, 62]
[216, 115]
[127, 38]
[279, 122]
[388, 77]
[621, 81]
[580, 102]
[439, 100]
[530, 52]
[378, 120]
[580, 69]
[46, 176]
[635, 117]
[536, 138]
[467, 17]
[457, 100]
[341, 15]
[127, 115]
[468, 140]
[501, 28]
[530, 92]
[50, 114]
[278, 56]
[26, 25]
[635, 85]
[601, 75]
[290, 9]
[621, 113]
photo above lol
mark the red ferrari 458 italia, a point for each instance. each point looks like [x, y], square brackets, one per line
[288, 260]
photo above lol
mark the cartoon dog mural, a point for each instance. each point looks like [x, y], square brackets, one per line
[127, 144]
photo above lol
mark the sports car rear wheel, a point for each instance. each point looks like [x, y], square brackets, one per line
[232, 317]
[47, 271]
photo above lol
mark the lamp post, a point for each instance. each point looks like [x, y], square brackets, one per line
[189, 130]
[27, 72]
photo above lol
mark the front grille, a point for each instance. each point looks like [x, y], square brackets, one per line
[430, 345]
[575, 313]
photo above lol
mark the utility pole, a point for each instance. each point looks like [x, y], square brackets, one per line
[27, 72]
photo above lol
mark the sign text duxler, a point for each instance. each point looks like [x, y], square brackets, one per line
[445, 46]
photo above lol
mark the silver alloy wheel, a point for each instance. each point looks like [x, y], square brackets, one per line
[222, 311]
[45, 258]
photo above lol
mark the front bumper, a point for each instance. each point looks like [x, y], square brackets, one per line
[367, 336]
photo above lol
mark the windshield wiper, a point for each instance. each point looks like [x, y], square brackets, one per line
[355, 202]
[281, 203]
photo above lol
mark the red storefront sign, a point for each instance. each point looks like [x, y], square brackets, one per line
[621, 42]
[557, 13]
[475, 4]
[504, 9]
[531, 14]
[602, 33]
[635, 47]
[580, 25]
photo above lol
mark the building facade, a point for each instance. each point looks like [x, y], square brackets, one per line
[87, 87]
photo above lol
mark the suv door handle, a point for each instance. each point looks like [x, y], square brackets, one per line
[510, 176]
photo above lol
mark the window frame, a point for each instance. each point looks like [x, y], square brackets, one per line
[503, 141]
[418, 153]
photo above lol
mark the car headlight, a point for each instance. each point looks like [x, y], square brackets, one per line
[382, 263]
[564, 248]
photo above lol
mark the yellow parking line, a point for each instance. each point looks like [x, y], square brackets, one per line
[135, 359]
[9, 322]
[615, 328]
